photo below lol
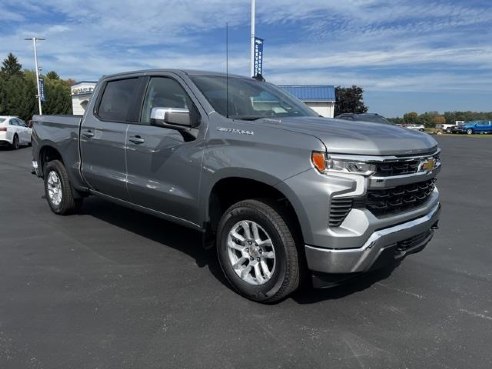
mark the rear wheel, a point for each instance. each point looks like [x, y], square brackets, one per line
[15, 142]
[257, 251]
[58, 189]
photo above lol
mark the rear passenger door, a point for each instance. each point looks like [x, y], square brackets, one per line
[103, 137]
[163, 166]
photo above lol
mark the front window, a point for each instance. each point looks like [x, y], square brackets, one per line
[248, 99]
[164, 92]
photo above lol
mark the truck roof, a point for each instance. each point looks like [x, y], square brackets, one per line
[189, 72]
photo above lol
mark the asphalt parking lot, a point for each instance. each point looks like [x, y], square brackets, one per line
[112, 288]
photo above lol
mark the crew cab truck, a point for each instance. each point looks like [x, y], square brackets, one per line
[281, 192]
[476, 126]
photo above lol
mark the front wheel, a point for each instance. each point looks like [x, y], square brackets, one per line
[257, 251]
[469, 131]
[58, 189]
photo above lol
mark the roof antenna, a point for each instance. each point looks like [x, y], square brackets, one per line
[227, 70]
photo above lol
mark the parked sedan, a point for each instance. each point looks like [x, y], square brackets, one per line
[14, 132]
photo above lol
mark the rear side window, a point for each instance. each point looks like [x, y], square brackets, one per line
[117, 99]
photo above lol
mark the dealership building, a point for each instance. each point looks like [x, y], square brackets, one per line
[321, 98]
[81, 92]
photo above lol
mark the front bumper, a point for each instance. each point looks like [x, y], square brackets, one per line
[394, 243]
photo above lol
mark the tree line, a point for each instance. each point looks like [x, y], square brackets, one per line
[430, 119]
[18, 91]
[351, 100]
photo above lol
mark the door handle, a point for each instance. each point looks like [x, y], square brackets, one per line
[136, 140]
[88, 134]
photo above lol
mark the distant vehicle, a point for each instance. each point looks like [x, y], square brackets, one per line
[14, 132]
[364, 117]
[448, 128]
[476, 126]
[415, 127]
[457, 127]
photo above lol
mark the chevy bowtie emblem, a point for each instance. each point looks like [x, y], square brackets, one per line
[427, 165]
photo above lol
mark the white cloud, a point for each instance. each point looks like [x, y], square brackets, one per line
[380, 44]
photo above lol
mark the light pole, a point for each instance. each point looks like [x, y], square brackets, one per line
[252, 61]
[34, 39]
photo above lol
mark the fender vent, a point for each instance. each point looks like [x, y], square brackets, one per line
[339, 209]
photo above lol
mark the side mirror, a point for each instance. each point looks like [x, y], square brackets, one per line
[164, 117]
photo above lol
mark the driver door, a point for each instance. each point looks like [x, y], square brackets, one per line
[163, 166]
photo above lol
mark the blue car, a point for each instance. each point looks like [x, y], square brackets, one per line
[476, 126]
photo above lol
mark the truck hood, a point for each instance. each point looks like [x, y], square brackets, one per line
[361, 138]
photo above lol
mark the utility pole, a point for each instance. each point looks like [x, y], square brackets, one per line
[34, 39]
[252, 61]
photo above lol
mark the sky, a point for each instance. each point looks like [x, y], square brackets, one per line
[416, 55]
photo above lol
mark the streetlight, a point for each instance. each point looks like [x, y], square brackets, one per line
[252, 61]
[34, 39]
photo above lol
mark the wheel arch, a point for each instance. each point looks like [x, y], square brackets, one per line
[48, 153]
[229, 190]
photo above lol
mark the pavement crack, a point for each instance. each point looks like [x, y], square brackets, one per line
[420, 297]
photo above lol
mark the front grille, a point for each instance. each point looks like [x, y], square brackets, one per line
[339, 209]
[400, 198]
[397, 168]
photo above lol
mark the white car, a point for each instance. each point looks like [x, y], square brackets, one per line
[415, 127]
[14, 132]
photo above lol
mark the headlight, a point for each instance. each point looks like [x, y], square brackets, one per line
[326, 164]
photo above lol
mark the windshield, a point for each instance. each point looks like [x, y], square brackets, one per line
[248, 99]
[2, 120]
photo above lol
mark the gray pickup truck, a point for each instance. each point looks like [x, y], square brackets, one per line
[281, 192]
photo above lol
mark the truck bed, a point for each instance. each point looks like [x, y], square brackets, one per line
[62, 133]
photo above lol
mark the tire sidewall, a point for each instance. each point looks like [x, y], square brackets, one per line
[53, 167]
[270, 288]
[15, 142]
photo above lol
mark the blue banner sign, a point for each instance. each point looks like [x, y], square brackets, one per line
[258, 66]
[41, 89]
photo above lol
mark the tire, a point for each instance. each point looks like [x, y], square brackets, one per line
[15, 142]
[469, 131]
[267, 258]
[58, 189]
